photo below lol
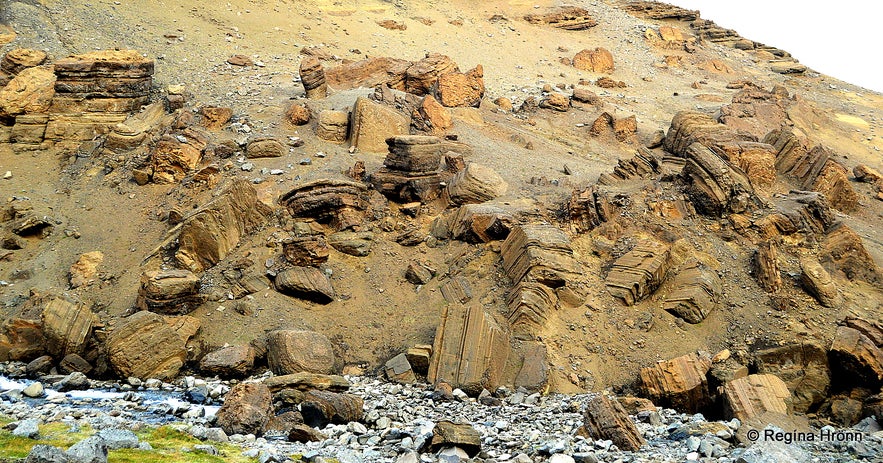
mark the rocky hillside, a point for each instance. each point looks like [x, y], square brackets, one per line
[538, 195]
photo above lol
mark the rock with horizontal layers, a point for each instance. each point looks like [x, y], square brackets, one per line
[639, 272]
[373, 123]
[598, 60]
[333, 126]
[659, 10]
[413, 153]
[476, 184]
[169, 292]
[804, 369]
[697, 291]
[312, 76]
[715, 187]
[787, 67]
[66, 327]
[210, 233]
[340, 203]
[688, 127]
[30, 92]
[308, 283]
[319, 408]
[679, 383]
[353, 243]
[450, 434]
[481, 223]
[305, 381]
[457, 89]
[818, 282]
[229, 362]
[431, 117]
[294, 351]
[19, 59]
[470, 349]
[306, 251]
[605, 419]
[756, 110]
[144, 345]
[265, 147]
[571, 18]
[754, 395]
[856, 355]
[247, 409]
[370, 73]
[588, 208]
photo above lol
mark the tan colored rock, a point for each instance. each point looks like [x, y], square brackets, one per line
[844, 251]
[866, 174]
[716, 66]
[679, 383]
[470, 349]
[19, 59]
[373, 123]
[422, 75]
[450, 434]
[461, 89]
[85, 269]
[247, 409]
[857, 357]
[431, 117]
[372, 72]
[414, 154]
[144, 345]
[308, 283]
[715, 187]
[297, 115]
[804, 369]
[30, 92]
[333, 126]
[210, 233]
[306, 251]
[818, 282]
[228, 362]
[766, 267]
[21, 339]
[480, 223]
[556, 101]
[66, 327]
[7, 35]
[625, 128]
[418, 356]
[169, 292]
[265, 147]
[340, 203]
[697, 291]
[754, 395]
[214, 117]
[312, 76]
[596, 60]
[571, 18]
[638, 273]
[172, 160]
[476, 184]
[605, 418]
[392, 25]
[292, 351]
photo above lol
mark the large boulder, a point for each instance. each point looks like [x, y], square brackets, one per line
[322, 407]
[308, 283]
[571, 18]
[697, 291]
[21, 339]
[228, 362]
[247, 409]
[461, 435]
[431, 117]
[209, 234]
[169, 292]
[146, 346]
[605, 418]
[293, 351]
[67, 327]
[422, 75]
[856, 354]
[458, 89]
[754, 395]
[30, 92]
[679, 383]
[476, 184]
[595, 60]
[804, 369]
[373, 123]
[19, 59]
[340, 203]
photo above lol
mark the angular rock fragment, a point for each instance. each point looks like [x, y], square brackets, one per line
[247, 409]
[431, 117]
[679, 383]
[293, 351]
[818, 283]
[480, 223]
[534, 372]
[754, 395]
[469, 351]
[455, 89]
[588, 209]
[638, 273]
[766, 267]
[306, 251]
[571, 18]
[353, 243]
[398, 369]
[21, 339]
[856, 358]
[556, 101]
[713, 185]
[843, 250]
[697, 291]
[688, 127]
[605, 418]
[229, 362]
[30, 92]
[475, 184]
[370, 73]
[418, 356]
[450, 434]
[209, 234]
[66, 327]
[422, 75]
[598, 60]
[308, 283]
[172, 160]
[19, 59]
[373, 123]
[305, 433]
[305, 381]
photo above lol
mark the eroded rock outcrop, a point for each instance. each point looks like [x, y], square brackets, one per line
[411, 169]
[754, 395]
[247, 409]
[679, 383]
[571, 18]
[373, 123]
[697, 291]
[169, 292]
[638, 273]
[339, 203]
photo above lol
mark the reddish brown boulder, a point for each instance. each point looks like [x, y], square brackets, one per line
[169, 292]
[422, 75]
[21, 340]
[459, 89]
[766, 267]
[30, 92]
[297, 115]
[595, 60]
[450, 434]
[144, 345]
[308, 283]
[247, 409]
[856, 357]
[679, 383]
[432, 117]
[214, 117]
[19, 59]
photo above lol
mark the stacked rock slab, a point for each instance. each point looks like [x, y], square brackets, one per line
[66, 327]
[208, 235]
[170, 292]
[571, 18]
[804, 369]
[714, 186]
[697, 292]
[589, 208]
[411, 169]
[638, 272]
[754, 395]
[312, 75]
[480, 223]
[539, 259]
[679, 383]
[475, 184]
[470, 349]
[643, 164]
[339, 203]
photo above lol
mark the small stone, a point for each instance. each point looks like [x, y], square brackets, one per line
[27, 428]
[33, 390]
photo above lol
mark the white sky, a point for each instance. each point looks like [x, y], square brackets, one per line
[843, 39]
